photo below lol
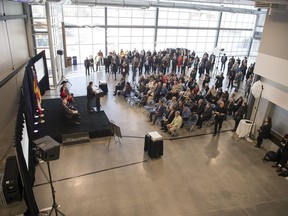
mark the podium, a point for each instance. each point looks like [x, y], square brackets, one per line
[98, 93]
[153, 144]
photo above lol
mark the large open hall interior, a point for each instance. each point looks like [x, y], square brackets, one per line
[143, 108]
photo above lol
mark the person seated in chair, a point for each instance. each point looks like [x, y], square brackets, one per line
[185, 113]
[64, 92]
[282, 155]
[160, 110]
[175, 124]
[128, 90]
[264, 131]
[70, 111]
[168, 118]
[206, 115]
[120, 86]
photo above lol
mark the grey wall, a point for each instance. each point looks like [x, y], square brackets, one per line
[13, 53]
[271, 65]
[279, 120]
[274, 40]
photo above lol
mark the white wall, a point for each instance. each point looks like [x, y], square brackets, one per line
[13, 53]
[272, 66]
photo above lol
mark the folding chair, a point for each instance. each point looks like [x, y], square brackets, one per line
[191, 122]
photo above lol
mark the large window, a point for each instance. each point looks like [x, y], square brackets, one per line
[129, 28]
[85, 32]
[130, 38]
[131, 16]
[188, 18]
[235, 42]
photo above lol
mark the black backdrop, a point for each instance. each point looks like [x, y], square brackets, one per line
[28, 107]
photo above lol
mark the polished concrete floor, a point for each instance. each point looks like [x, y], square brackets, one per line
[197, 175]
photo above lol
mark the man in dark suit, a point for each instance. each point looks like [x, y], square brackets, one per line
[219, 116]
[264, 131]
[90, 96]
[158, 112]
[168, 118]
[70, 112]
[87, 65]
[223, 62]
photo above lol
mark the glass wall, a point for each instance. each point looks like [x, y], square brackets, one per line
[131, 16]
[129, 28]
[40, 32]
[85, 32]
[130, 38]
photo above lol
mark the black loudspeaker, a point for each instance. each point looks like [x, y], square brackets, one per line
[47, 148]
[60, 52]
[11, 184]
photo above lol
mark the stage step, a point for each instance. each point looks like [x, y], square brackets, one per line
[75, 138]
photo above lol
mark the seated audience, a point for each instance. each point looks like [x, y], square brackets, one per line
[264, 131]
[205, 116]
[175, 124]
[119, 87]
[158, 112]
[64, 93]
[70, 111]
[128, 90]
[168, 117]
[282, 155]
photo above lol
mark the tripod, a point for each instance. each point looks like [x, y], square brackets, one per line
[54, 205]
[63, 78]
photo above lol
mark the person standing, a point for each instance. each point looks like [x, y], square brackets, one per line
[87, 65]
[223, 62]
[239, 114]
[135, 64]
[97, 61]
[248, 85]
[91, 63]
[219, 116]
[107, 62]
[100, 54]
[90, 96]
[264, 131]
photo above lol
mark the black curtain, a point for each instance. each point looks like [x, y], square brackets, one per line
[32, 208]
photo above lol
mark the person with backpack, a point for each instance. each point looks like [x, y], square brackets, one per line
[281, 157]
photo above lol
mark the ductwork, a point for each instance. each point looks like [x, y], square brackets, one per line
[164, 4]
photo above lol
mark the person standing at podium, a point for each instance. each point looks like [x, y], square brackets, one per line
[90, 96]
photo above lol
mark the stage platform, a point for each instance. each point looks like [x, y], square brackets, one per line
[95, 124]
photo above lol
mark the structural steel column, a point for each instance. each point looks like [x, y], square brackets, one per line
[106, 47]
[51, 45]
[218, 29]
[156, 28]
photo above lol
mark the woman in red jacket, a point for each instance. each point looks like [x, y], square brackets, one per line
[180, 61]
